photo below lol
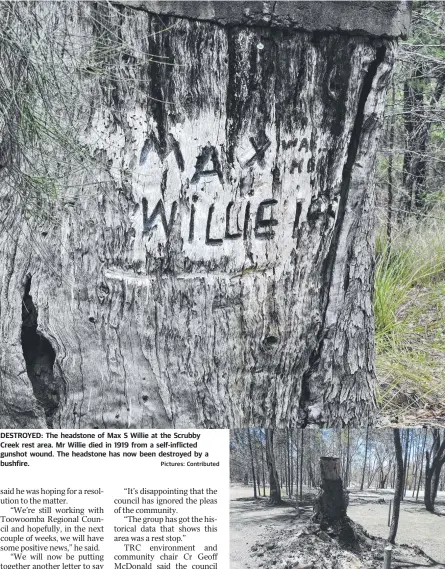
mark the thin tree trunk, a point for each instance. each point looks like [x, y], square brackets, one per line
[364, 460]
[408, 462]
[257, 467]
[274, 483]
[301, 463]
[398, 491]
[407, 433]
[416, 463]
[249, 439]
[421, 465]
[263, 467]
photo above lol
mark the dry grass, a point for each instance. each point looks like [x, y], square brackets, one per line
[410, 321]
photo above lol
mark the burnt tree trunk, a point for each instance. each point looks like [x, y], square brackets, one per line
[331, 504]
[435, 459]
[407, 433]
[398, 490]
[206, 257]
[274, 482]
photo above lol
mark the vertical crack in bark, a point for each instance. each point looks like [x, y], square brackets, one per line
[329, 263]
[39, 358]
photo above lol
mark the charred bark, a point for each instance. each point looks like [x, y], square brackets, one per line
[398, 490]
[435, 459]
[331, 504]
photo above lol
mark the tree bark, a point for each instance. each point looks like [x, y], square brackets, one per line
[332, 503]
[207, 260]
[274, 483]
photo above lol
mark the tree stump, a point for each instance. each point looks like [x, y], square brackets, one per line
[331, 504]
[207, 258]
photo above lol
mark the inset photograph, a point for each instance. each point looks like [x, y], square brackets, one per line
[188, 213]
[337, 498]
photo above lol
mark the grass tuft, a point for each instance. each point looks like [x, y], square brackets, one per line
[410, 317]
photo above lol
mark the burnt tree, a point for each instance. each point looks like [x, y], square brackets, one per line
[399, 482]
[435, 459]
[331, 504]
[200, 244]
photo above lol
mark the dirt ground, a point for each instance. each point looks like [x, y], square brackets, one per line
[251, 522]
[262, 536]
[416, 525]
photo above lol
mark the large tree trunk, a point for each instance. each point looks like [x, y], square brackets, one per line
[274, 482]
[331, 504]
[207, 260]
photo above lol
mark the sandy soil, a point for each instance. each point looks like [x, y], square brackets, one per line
[416, 525]
[254, 522]
[251, 522]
